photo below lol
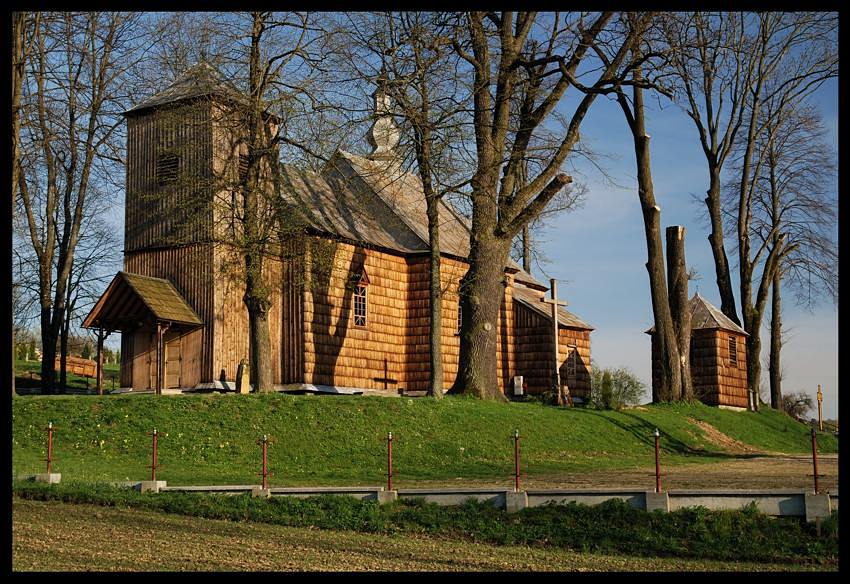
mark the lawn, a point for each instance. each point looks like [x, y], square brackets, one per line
[341, 440]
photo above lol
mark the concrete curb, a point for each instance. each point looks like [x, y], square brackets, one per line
[785, 502]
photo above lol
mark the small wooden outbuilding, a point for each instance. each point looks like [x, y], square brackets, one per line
[718, 357]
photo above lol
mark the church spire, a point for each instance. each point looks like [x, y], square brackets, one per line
[384, 134]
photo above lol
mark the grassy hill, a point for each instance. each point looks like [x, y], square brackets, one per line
[336, 440]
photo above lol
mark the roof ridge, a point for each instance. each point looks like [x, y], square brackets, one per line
[399, 216]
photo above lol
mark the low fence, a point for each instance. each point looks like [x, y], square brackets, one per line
[777, 503]
[813, 505]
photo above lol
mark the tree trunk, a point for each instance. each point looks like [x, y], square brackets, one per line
[776, 344]
[677, 277]
[435, 336]
[482, 292]
[256, 300]
[670, 378]
[715, 238]
[48, 353]
[63, 355]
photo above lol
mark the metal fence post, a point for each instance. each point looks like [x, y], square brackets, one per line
[390, 461]
[50, 430]
[265, 443]
[657, 464]
[815, 458]
[153, 457]
[516, 460]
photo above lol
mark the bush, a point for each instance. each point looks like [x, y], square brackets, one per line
[797, 405]
[612, 389]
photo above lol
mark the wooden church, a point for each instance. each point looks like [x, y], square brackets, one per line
[718, 357]
[349, 310]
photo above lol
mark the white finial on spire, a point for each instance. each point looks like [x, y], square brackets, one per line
[384, 134]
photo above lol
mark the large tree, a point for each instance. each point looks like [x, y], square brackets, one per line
[795, 54]
[72, 95]
[23, 26]
[535, 59]
[793, 215]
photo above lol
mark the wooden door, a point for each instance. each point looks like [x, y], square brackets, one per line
[173, 363]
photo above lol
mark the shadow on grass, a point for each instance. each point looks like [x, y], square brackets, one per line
[644, 431]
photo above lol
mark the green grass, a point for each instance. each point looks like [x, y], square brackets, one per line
[333, 440]
[608, 528]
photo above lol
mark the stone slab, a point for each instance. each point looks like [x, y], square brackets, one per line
[515, 501]
[150, 486]
[49, 478]
[261, 492]
[385, 497]
[817, 507]
[657, 501]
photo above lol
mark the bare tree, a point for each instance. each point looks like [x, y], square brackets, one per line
[268, 61]
[417, 72]
[72, 95]
[23, 27]
[538, 58]
[793, 210]
[795, 54]
[711, 56]
[673, 382]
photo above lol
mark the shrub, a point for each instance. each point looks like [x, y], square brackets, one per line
[612, 389]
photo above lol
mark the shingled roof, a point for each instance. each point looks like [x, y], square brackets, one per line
[202, 79]
[704, 315]
[131, 298]
[377, 203]
[532, 299]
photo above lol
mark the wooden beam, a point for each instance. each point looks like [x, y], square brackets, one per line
[554, 302]
[100, 338]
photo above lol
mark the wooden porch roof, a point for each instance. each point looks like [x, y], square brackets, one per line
[130, 300]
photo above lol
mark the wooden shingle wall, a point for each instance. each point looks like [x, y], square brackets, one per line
[717, 381]
[534, 353]
[336, 352]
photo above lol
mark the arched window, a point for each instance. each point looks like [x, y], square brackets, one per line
[361, 283]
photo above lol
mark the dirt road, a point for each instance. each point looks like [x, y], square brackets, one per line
[755, 472]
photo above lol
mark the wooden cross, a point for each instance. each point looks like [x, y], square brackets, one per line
[386, 378]
[555, 303]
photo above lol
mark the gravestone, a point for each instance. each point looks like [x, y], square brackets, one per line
[242, 381]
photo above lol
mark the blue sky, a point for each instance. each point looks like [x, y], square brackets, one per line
[598, 252]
